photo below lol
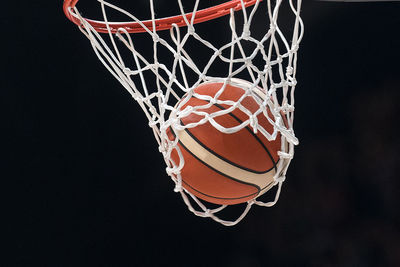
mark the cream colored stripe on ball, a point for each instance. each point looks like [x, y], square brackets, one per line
[264, 180]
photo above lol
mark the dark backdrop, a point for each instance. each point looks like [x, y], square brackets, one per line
[84, 185]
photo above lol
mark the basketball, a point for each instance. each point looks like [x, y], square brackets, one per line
[226, 168]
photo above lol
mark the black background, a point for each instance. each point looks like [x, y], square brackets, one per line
[84, 185]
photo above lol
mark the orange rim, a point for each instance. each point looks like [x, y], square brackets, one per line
[160, 24]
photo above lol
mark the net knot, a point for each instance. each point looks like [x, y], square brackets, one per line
[127, 71]
[267, 68]
[152, 123]
[280, 179]
[170, 171]
[253, 122]
[289, 70]
[284, 155]
[294, 49]
[156, 38]
[191, 30]
[285, 108]
[161, 149]
[176, 126]
[177, 56]
[246, 32]
[207, 213]
[202, 77]
[248, 61]
[178, 188]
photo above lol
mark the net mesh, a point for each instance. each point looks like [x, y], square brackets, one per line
[253, 52]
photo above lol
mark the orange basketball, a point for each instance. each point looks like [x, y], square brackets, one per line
[226, 168]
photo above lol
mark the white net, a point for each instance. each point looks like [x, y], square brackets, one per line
[252, 47]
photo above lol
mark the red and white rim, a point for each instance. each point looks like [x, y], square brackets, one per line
[160, 24]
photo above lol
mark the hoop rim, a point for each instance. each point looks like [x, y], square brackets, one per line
[160, 24]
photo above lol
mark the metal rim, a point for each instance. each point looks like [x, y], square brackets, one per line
[160, 24]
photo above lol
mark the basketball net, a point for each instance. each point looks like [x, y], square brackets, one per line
[162, 88]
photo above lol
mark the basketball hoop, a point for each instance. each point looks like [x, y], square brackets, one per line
[245, 84]
[160, 24]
